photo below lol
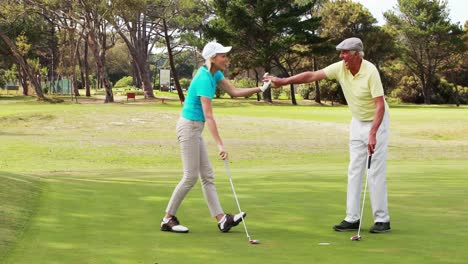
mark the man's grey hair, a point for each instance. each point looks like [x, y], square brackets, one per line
[361, 53]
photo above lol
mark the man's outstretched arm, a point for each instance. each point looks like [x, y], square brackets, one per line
[305, 77]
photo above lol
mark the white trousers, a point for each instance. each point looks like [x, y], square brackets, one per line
[377, 183]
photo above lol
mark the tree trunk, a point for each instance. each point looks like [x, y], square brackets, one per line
[81, 66]
[75, 85]
[74, 47]
[267, 96]
[136, 74]
[53, 51]
[23, 64]
[426, 89]
[101, 67]
[293, 94]
[257, 84]
[144, 75]
[23, 80]
[171, 62]
[75, 58]
[86, 70]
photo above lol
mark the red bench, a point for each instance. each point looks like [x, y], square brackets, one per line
[131, 96]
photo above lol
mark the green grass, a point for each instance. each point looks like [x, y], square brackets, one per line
[88, 183]
[20, 196]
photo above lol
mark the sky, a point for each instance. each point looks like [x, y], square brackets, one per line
[458, 9]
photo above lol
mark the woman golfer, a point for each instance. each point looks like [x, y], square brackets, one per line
[196, 112]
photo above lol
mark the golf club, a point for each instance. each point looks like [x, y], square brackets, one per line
[358, 236]
[251, 241]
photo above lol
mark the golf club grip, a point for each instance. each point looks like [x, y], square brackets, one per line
[369, 161]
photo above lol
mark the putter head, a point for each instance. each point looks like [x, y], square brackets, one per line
[253, 241]
[356, 238]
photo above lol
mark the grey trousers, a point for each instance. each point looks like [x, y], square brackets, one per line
[195, 163]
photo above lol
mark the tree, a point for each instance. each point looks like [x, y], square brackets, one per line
[459, 74]
[134, 22]
[13, 16]
[426, 39]
[119, 61]
[186, 63]
[344, 19]
[267, 32]
[22, 36]
[179, 20]
[87, 19]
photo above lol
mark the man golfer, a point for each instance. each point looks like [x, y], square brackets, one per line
[364, 94]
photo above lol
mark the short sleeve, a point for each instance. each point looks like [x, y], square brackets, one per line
[332, 70]
[218, 76]
[203, 87]
[375, 84]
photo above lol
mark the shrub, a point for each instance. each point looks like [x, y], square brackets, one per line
[156, 84]
[185, 83]
[304, 91]
[219, 92]
[444, 92]
[244, 83]
[462, 94]
[276, 92]
[329, 90]
[287, 92]
[124, 82]
[409, 90]
[2, 78]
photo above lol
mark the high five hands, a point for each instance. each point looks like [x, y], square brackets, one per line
[275, 81]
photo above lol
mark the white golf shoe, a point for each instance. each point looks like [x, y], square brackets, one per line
[173, 225]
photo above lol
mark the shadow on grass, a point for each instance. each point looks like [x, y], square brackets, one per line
[32, 99]
[438, 107]
[20, 199]
[241, 102]
[19, 98]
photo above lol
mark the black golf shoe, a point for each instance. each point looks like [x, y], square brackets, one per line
[346, 226]
[380, 227]
[173, 225]
[229, 221]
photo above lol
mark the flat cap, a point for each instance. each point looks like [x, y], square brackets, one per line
[351, 44]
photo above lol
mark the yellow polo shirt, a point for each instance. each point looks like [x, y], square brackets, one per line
[359, 90]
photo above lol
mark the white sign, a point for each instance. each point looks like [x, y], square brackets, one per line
[164, 77]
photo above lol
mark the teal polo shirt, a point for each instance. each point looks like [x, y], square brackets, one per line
[203, 84]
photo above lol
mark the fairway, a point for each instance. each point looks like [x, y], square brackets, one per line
[89, 183]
